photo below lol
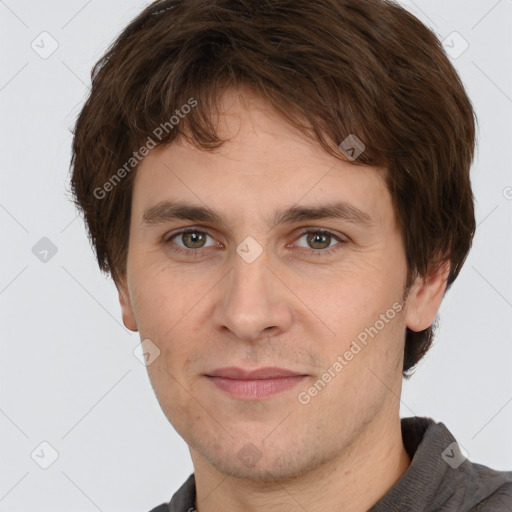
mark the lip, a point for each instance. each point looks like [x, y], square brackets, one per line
[270, 372]
[255, 384]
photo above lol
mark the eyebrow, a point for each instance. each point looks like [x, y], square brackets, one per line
[171, 210]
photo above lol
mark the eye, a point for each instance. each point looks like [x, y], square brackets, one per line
[191, 238]
[319, 240]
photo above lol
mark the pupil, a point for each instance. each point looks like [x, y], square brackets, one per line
[195, 238]
[319, 238]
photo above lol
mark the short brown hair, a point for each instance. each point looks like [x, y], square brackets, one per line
[332, 68]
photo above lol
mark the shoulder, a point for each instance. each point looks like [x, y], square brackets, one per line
[164, 507]
[182, 500]
[493, 488]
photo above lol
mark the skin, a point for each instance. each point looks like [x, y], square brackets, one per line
[292, 307]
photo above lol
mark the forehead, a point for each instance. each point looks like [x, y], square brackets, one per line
[265, 165]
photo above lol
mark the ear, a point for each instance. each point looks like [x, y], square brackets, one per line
[425, 298]
[126, 307]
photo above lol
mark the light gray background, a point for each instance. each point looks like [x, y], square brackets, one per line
[68, 373]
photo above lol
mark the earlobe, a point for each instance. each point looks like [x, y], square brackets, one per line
[126, 309]
[425, 298]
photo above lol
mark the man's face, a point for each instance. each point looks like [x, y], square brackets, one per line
[298, 305]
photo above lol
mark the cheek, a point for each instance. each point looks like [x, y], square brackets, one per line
[167, 304]
[358, 294]
[155, 283]
[362, 306]
[161, 301]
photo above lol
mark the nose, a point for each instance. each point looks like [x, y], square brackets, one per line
[253, 302]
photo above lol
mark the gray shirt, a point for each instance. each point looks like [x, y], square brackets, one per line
[439, 478]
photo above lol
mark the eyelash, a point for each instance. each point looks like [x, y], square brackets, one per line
[318, 231]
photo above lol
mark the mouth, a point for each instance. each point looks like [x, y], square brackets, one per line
[256, 384]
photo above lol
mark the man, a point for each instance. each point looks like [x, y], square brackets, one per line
[280, 191]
